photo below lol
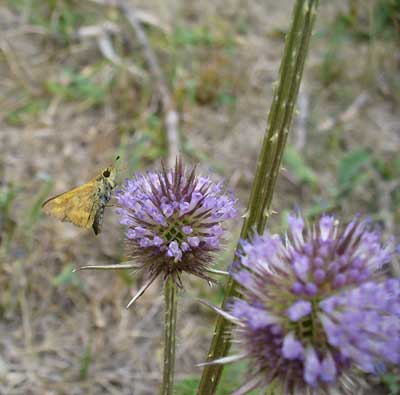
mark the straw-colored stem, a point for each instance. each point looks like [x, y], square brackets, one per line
[259, 206]
[169, 337]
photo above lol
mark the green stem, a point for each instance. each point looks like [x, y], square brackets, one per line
[268, 166]
[169, 336]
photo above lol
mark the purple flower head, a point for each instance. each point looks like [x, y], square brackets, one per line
[316, 306]
[174, 221]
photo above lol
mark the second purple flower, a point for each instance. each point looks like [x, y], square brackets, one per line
[316, 307]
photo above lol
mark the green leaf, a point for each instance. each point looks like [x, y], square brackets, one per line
[297, 166]
[187, 386]
[392, 382]
[36, 207]
[26, 112]
[234, 376]
[86, 361]
[350, 170]
[78, 87]
[67, 276]
[7, 196]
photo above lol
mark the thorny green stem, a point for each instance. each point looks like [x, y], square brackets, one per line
[169, 336]
[276, 133]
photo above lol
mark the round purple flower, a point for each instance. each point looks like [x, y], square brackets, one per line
[174, 221]
[315, 306]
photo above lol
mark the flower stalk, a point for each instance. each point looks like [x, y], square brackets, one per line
[259, 205]
[169, 336]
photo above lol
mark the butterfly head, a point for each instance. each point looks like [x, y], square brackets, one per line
[109, 176]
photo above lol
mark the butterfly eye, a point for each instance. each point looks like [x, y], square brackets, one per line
[106, 173]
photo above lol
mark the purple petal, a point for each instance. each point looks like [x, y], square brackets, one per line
[296, 225]
[174, 251]
[184, 207]
[299, 310]
[167, 209]
[326, 226]
[328, 369]
[312, 367]
[187, 230]
[194, 241]
[292, 348]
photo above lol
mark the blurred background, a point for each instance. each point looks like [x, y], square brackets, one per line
[76, 90]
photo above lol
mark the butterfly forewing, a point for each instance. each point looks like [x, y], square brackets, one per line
[77, 205]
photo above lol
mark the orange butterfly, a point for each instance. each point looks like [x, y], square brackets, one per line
[84, 205]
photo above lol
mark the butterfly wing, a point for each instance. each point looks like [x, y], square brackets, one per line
[79, 205]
